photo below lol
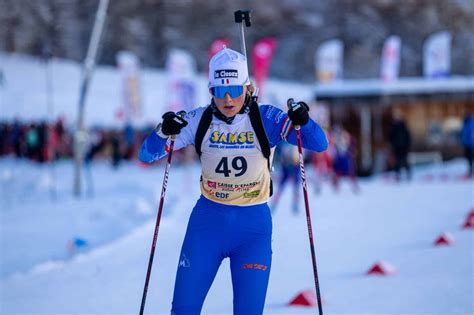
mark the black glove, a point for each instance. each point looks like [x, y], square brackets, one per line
[298, 113]
[172, 124]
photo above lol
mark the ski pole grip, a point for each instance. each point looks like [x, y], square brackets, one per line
[290, 103]
[181, 113]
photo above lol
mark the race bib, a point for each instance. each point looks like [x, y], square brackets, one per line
[234, 170]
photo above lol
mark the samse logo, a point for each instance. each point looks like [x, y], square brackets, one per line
[245, 137]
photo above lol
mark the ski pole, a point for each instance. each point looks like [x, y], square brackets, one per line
[291, 103]
[240, 17]
[158, 219]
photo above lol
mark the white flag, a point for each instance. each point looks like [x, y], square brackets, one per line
[390, 65]
[181, 71]
[437, 55]
[321, 114]
[328, 60]
[129, 68]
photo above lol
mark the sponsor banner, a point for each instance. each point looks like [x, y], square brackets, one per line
[328, 61]
[180, 65]
[262, 55]
[437, 55]
[181, 70]
[129, 69]
[390, 65]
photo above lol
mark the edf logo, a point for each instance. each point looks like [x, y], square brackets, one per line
[222, 195]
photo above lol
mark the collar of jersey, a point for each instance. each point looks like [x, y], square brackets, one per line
[228, 120]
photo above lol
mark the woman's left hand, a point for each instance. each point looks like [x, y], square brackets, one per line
[298, 113]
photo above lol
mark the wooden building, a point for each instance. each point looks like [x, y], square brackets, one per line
[432, 109]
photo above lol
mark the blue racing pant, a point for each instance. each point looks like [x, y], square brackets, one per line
[216, 231]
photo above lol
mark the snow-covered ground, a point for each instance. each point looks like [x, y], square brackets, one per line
[41, 273]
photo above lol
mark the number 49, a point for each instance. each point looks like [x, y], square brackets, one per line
[239, 164]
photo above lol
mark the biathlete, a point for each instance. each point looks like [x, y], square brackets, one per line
[235, 138]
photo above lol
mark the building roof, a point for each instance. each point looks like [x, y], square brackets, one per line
[403, 86]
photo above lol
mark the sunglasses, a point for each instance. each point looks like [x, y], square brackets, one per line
[233, 90]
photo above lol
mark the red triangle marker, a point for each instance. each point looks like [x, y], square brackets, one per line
[471, 214]
[382, 268]
[469, 223]
[305, 298]
[444, 239]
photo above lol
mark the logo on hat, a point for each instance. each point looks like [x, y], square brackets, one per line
[226, 73]
[228, 67]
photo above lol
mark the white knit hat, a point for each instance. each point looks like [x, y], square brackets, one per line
[228, 67]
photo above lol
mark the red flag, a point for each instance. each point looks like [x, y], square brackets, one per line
[262, 57]
[217, 45]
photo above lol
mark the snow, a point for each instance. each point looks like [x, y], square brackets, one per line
[396, 223]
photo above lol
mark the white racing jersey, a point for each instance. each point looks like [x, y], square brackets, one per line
[234, 170]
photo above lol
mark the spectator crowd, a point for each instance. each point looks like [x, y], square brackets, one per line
[42, 142]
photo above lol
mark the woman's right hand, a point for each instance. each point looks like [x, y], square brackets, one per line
[171, 125]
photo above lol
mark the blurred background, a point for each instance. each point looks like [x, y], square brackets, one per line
[83, 82]
[354, 61]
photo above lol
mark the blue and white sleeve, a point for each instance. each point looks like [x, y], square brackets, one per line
[279, 127]
[154, 147]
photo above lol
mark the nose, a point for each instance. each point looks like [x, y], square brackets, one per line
[227, 97]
